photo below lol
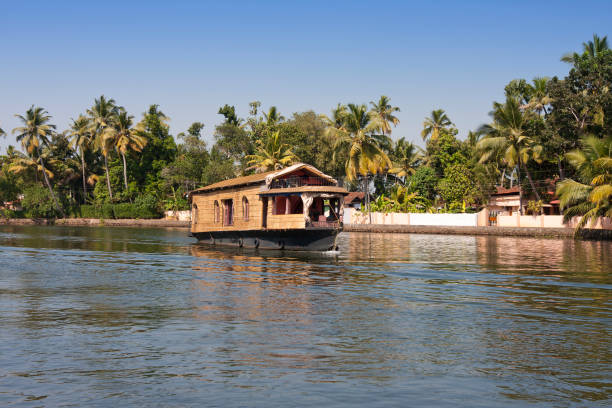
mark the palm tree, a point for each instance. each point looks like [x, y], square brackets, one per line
[383, 112]
[2, 133]
[433, 125]
[591, 196]
[36, 131]
[271, 154]
[590, 49]
[80, 130]
[125, 138]
[507, 135]
[22, 164]
[337, 118]
[273, 117]
[539, 98]
[407, 158]
[161, 116]
[102, 114]
[357, 136]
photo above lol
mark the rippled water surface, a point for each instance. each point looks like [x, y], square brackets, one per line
[146, 317]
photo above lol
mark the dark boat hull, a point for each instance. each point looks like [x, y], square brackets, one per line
[315, 239]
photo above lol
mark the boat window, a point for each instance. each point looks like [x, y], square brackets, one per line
[279, 205]
[288, 205]
[245, 208]
[216, 211]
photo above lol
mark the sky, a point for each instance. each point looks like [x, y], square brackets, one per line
[191, 57]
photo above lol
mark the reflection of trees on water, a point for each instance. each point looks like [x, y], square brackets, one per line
[513, 308]
[304, 310]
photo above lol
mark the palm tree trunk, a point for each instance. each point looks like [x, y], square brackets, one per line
[108, 185]
[124, 172]
[367, 198]
[84, 175]
[531, 182]
[518, 174]
[561, 172]
[44, 171]
[501, 181]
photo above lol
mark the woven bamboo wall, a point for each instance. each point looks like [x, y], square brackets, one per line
[203, 218]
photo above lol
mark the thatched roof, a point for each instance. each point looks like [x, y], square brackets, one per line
[260, 178]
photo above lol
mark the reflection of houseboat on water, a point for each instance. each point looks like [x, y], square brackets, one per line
[298, 208]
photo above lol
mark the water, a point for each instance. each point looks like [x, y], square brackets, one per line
[144, 317]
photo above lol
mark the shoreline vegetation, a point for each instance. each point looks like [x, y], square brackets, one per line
[550, 137]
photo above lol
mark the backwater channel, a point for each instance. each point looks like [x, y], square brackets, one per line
[110, 316]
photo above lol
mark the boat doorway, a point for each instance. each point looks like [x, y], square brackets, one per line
[264, 213]
[228, 212]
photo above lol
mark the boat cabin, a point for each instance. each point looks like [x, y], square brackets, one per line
[298, 197]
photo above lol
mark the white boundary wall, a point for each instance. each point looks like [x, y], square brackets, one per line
[451, 220]
[351, 216]
[354, 217]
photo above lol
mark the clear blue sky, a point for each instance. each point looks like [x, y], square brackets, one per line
[191, 57]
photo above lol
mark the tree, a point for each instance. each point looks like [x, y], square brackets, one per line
[383, 113]
[590, 49]
[423, 182]
[271, 154]
[581, 105]
[591, 195]
[337, 118]
[273, 116]
[187, 169]
[433, 125]
[125, 138]
[2, 133]
[457, 188]
[507, 134]
[195, 130]
[34, 133]
[229, 112]
[305, 133]
[160, 150]
[357, 138]
[102, 114]
[24, 164]
[82, 138]
[539, 98]
[254, 108]
[406, 158]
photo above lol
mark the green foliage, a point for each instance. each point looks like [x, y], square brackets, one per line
[445, 151]
[271, 153]
[38, 203]
[534, 207]
[457, 187]
[423, 182]
[144, 207]
[400, 200]
[590, 195]
[157, 154]
[11, 214]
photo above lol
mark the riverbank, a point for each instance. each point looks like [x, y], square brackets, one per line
[95, 222]
[587, 233]
[597, 234]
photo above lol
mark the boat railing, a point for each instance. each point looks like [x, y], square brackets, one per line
[301, 181]
[323, 224]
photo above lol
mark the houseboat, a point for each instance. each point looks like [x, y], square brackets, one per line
[296, 208]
